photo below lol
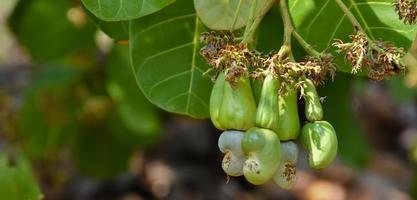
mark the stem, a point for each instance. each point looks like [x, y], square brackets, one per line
[288, 27]
[349, 15]
[307, 47]
[285, 50]
[254, 21]
[249, 25]
[236, 16]
[289, 30]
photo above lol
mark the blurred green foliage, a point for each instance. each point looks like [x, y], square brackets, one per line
[77, 101]
[16, 180]
[52, 30]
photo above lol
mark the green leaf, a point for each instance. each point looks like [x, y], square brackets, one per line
[118, 30]
[48, 113]
[320, 22]
[229, 14]
[164, 50]
[46, 29]
[136, 113]
[16, 180]
[124, 9]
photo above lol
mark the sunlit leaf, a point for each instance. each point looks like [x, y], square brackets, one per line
[124, 9]
[229, 14]
[320, 22]
[165, 56]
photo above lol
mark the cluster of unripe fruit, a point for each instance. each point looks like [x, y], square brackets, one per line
[258, 139]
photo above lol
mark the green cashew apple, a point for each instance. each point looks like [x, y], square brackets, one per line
[267, 111]
[263, 149]
[319, 138]
[313, 109]
[289, 122]
[232, 107]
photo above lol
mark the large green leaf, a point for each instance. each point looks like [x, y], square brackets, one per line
[320, 22]
[110, 10]
[229, 14]
[118, 30]
[164, 50]
[16, 179]
[136, 113]
[45, 29]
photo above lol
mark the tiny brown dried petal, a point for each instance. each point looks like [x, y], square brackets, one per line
[406, 10]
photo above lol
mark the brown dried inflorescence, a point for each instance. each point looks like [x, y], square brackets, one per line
[356, 50]
[316, 68]
[406, 10]
[387, 61]
[223, 54]
[236, 60]
[382, 59]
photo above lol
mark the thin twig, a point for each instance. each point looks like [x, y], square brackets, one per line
[290, 30]
[349, 15]
[254, 21]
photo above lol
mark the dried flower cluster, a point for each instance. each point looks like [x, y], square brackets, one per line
[356, 51]
[382, 59]
[388, 61]
[406, 10]
[223, 54]
[316, 68]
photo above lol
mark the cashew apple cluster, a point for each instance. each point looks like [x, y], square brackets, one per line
[259, 139]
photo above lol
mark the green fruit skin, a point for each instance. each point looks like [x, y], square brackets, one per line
[289, 122]
[216, 99]
[263, 149]
[267, 111]
[320, 139]
[238, 107]
[313, 109]
[286, 175]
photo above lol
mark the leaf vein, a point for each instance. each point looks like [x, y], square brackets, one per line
[167, 21]
[167, 51]
[365, 24]
[195, 43]
[315, 18]
[175, 97]
[166, 79]
[201, 100]
[337, 28]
